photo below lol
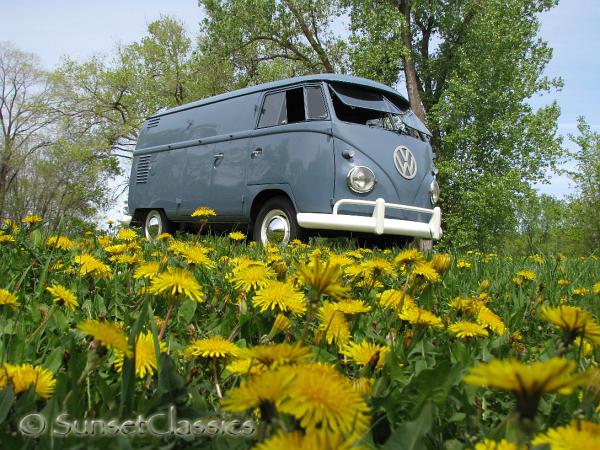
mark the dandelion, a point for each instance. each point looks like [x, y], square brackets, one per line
[394, 299]
[107, 335]
[127, 234]
[8, 299]
[63, 296]
[320, 398]
[563, 282]
[60, 242]
[6, 238]
[281, 325]
[211, 347]
[465, 330]
[441, 262]
[116, 249]
[418, 316]
[129, 260]
[22, 376]
[376, 267]
[573, 321]
[88, 265]
[203, 212]
[275, 355]
[528, 382]
[578, 435]
[281, 296]
[178, 283]
[32, 219]
[426, 271]
[244, 366]
[363, 386]
[596, 288]
[352, 306]
[323, 278]
[408, 257]
[580, 292]
[237, 236]
[316, 440]
[340, 260]
[147, 270]
[145, 355]
[197, 255]
[526, 275]
[488, 318]
[489, 444]
[334, 324]
[251, 276]
[366, 354]
[462, 264]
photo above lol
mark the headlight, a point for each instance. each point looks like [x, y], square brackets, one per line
[361, 179]
[434, 192]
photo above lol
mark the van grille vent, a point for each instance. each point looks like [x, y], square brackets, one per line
[143, 168]
[153, 122]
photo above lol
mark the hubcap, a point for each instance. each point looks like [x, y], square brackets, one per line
[275, 228]
[153, 225]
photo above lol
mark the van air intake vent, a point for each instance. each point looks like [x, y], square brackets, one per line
[143, 168]
[153, 122]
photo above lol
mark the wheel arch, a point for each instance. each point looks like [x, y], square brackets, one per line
[263, 196]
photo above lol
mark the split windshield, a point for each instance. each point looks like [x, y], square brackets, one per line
[374, 109]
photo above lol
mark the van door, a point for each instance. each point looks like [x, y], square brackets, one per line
[293, 145]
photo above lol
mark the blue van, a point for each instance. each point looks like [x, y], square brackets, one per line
[322, 152]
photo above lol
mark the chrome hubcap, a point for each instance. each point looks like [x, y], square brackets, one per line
[153, 225]
[275, 228]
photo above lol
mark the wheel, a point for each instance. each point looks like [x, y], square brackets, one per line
[156, 223]
[276, 223]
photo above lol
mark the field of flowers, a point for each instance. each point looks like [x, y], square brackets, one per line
[320, 346]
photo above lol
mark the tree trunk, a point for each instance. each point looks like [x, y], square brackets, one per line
[410, 72]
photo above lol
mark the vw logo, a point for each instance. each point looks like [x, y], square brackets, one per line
[405, 162]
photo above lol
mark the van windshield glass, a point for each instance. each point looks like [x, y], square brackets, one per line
[374, 109]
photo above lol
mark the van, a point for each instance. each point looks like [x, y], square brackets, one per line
[321, 152]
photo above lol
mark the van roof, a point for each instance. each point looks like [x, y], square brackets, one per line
[347, 79]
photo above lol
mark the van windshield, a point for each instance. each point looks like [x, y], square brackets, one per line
[374, 109]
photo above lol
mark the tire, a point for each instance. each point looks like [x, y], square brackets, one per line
[276, 223]
[155, 223]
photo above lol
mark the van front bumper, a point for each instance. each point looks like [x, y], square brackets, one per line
[377, 223]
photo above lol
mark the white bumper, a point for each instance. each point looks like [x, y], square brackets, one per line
[377, 223]
[124, 217]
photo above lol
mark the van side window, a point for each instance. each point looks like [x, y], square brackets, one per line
[273, 110]
[315, 103]
[295, 105]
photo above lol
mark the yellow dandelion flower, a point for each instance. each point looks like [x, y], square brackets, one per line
[32, 219]
[147, 270]
[363, 386]
[376, 267]
[8, 299]
[264, 391]
[129, 260]
[104, 241]
[281, 325]
[581, 291]
[12, 225]
[281, 296]
[441, 262]
[108, 335]
[237, 236]
[465, 330]
[574, 322]
[115, 249]
[426, 271]
[244, 366]
[394, 299]
[251, 276]
[63, 296]
[178, 283]
[366, 354]
[274, 355]
[197, 255]
[408, 257]
[6, 238]
[324, 400]
[352, 306]
[488, 318]
[340, 260]
[488, 444]
[537, 259]
[320, 440]
[145, 355]
[203, 212]
[89, 265]
[466, 305]
[462, 264]
[526, 275]
[60, 242]
[563, 282]
[578, 435]
[22, 376]
[528, 382]
[418, 316]
[211, 347]
[126, 234]
[354, 254]
[334, 324]
[323, 278]
[596, 288]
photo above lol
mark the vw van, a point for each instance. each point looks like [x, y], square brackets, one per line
[322, 152]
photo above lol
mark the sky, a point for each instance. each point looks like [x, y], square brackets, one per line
[83, 28]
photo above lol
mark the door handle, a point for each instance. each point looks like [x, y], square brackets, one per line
[219, 155]
[256, 153]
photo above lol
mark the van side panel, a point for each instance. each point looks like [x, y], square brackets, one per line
[299, 155]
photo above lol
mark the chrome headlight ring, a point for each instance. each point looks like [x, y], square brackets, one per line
[361, 179]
